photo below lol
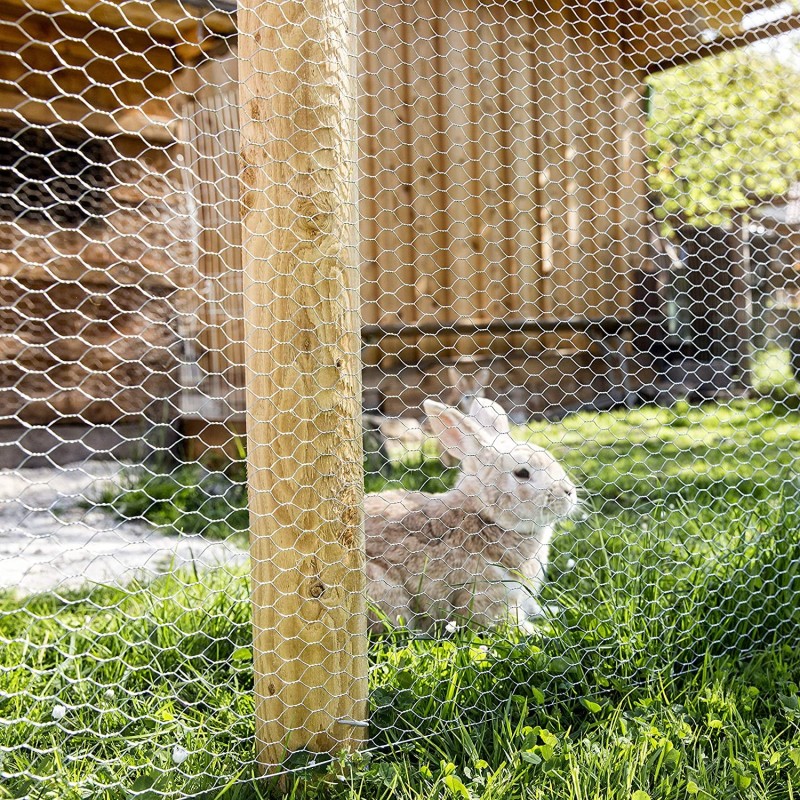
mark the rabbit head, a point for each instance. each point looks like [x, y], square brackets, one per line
[467, 381]
[524, 488]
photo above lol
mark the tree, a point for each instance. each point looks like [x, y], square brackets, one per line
[724, 133]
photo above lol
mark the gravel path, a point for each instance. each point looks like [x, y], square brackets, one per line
[49, 540]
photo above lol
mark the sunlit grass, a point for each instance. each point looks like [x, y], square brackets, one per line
[620, 458]
[668, 667]
[675, 644]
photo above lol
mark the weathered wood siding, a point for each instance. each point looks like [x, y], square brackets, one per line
[92, 301]
[93, 324]
[502, 176]
[90, 327]
[59, 65]
[502, 168]
[210, 133]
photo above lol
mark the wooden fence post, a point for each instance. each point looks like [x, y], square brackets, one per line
[303, 375]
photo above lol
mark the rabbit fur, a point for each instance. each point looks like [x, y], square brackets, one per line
[479, 551]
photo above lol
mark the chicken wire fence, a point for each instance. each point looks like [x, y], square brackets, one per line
[578, 351]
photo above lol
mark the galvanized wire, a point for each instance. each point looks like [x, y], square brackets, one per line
[579, 345]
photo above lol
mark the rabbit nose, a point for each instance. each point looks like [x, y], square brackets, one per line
[565, 489]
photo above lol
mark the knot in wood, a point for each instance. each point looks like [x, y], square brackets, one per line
[317, 590]
[316, 215]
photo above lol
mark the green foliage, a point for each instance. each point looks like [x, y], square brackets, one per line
[723, 133]
[188, 498]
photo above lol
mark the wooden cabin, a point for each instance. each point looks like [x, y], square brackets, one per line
[503, 212]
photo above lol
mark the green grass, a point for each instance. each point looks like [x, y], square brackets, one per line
[634, 458]
[186, 498]
[671, 669]
[641, 456]
[673, 661]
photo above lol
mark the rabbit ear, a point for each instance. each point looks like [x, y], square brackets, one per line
[460, 435]
[490, 415]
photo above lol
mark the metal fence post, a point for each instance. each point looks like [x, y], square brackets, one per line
[303, 386]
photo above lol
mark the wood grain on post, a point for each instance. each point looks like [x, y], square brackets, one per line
[303, 375]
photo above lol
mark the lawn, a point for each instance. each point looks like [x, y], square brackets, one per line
[671, 670]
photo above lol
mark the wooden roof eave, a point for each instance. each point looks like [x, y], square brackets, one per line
[166, 20]
[661, 34]
[656, 34]
[725, 44]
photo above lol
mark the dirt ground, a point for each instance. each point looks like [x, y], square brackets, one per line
[51, 538]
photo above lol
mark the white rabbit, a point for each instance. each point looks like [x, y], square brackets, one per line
[478, 551]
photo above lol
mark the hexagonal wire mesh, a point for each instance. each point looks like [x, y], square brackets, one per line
[578, 263]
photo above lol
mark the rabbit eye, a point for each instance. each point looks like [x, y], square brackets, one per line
[522, 474]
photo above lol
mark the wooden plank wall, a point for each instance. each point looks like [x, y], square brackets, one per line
[502, 173]
[90, 321]
[91, 309]
[501, 177]
[210, 132]
[59, 66]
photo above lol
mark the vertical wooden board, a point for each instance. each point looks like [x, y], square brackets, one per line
[229, 282]
[613, 250]
[523, 192]
[425, 160]
[212, 146]
[408, 267]
[456, 25]
[391, 157]
[490, 163]
[368, 161]
[555, 173]
[632, 188]
[404, 223]
[616, 262]
[606, 168]
[189, 136]
[591, 208]
[195, 156]
[576, 109]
